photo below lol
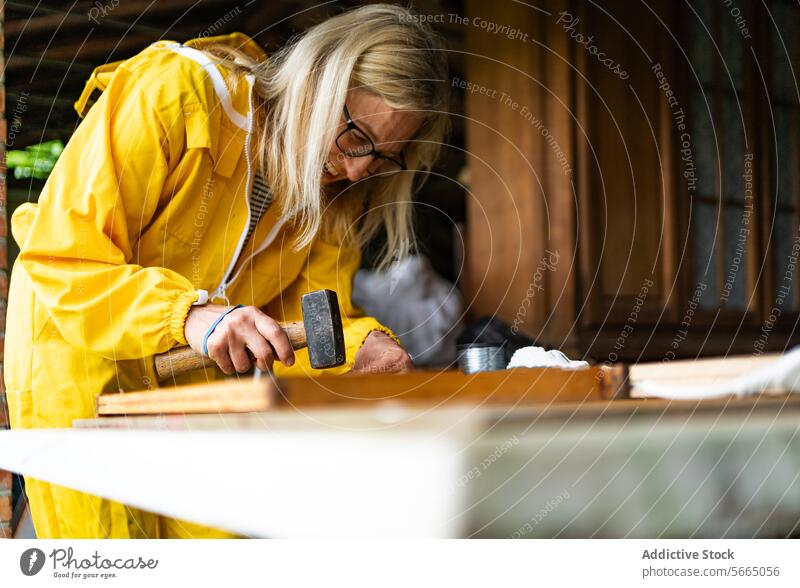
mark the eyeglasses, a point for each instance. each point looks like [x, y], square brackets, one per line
[354, 142]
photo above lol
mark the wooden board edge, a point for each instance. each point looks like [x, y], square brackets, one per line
[225, 396]
[615, 382]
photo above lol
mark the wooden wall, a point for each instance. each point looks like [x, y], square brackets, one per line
[584, 165]
[521, 153]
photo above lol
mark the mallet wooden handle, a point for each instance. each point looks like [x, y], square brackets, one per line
[185, 359]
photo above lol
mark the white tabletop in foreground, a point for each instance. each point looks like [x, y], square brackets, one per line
[438, 473]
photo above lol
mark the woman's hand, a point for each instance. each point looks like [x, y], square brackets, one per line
[380, 354]
[244, 330]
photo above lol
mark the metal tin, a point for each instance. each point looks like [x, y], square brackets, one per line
[481, 357]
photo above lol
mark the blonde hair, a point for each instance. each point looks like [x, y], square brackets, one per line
[382, 49]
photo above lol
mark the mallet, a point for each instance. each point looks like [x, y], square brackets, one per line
[320, 331]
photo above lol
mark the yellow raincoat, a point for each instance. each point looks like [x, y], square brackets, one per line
[143, 216]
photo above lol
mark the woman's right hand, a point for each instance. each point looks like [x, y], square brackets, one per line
[245, 329]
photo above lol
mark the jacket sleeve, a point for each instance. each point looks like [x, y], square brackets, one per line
[328, 267]
[79, 247]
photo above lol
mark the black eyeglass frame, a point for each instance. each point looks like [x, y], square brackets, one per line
[352, 126]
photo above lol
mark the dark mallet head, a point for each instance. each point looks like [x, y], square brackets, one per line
[323, 325]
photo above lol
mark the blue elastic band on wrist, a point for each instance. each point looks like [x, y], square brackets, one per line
[214, 326]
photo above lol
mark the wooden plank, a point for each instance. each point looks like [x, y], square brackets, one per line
[509, 387]
[655, 409]
[507, 235]
[519, 385]
[229, 396]
[700, 374]
[558, 112]
[707, 368]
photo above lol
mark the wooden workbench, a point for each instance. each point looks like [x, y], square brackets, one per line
[624, 468]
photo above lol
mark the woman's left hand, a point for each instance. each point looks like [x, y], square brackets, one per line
[380, 354]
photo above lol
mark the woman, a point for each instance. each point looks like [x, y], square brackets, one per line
[206, 176]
